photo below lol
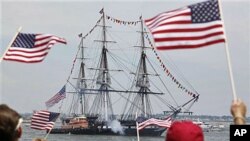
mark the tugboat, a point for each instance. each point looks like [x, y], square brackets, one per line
[76, 122]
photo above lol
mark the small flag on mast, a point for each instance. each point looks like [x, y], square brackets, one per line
[31, 48]
[56, 98]
[193, 26]
[43, 120]
[101, 11]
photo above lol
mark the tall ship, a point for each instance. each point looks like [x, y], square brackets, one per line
[114, 84]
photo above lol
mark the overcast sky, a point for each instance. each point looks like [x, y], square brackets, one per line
[26, 87]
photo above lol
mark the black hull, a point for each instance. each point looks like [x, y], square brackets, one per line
[96, 131]
[145, 132]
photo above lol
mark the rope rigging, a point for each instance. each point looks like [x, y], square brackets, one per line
[138, 101]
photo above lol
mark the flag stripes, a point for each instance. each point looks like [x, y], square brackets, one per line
[43, 120]
[56, 98]
[152, 121]
[31, 48]
[194, 26]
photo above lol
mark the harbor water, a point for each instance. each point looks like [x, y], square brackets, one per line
[29, 134]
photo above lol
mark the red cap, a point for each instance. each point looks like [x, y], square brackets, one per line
[184, 131]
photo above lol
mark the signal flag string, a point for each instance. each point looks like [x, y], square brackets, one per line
[169, 74]
[82, 37]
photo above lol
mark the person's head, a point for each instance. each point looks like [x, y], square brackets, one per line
[184, 131]
[10, 124]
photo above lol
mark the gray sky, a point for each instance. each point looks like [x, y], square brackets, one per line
[26, 87]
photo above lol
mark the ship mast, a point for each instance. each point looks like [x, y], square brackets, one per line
[102, 105]
[103, 100]
[141, 101]
[142, 79]
[81, 82]
[104, 65]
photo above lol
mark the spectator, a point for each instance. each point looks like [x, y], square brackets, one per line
[184, 131]
[10, 124]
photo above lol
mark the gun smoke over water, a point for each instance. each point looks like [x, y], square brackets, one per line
[116, 127]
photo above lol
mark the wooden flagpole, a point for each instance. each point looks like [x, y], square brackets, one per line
[46, 136]
[137, 131]
[228, 55]
[11, 42]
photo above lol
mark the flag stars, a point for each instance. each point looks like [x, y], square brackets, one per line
[201, 16]
[205, 12]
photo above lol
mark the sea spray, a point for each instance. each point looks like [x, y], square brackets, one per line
[116, 127]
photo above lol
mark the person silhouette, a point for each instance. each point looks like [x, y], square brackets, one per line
[184, 131]
[10, 124]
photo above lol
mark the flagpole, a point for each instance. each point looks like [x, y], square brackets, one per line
[11, 42]
[46, 136]
[137, 131]
[228, 55]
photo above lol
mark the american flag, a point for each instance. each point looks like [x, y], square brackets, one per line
[152, 121]
[56, 98]
[43, 120]
[193, 26]
[31, 48]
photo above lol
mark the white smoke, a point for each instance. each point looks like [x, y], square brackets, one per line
[116, 127]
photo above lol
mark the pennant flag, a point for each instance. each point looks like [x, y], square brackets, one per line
[43, 120]
[101, 11]
[152, 121]
[80, 35]
[193, 26]
[31, 48]
[56, 98]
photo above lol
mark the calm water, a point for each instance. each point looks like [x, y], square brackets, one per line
[28, 134]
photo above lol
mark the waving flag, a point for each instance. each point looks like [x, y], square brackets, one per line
[56, 98]
[43, 120]
[193, 26]
[152, 121]
[31, 48]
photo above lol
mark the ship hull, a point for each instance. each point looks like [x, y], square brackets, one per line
[97, 131]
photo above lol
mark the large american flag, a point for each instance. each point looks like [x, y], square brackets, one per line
[166, 123]
[193, 26]
[31, 48]
[56, 98]
[43, 120]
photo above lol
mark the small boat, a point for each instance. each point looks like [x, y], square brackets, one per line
[218, 127]
[26, 122]
[206, 127]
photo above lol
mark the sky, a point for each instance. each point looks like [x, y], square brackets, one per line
[25, 87]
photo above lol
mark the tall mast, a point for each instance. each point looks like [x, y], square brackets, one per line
[81, 83]
[143, 83]
[140, 102]
[104, 79]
